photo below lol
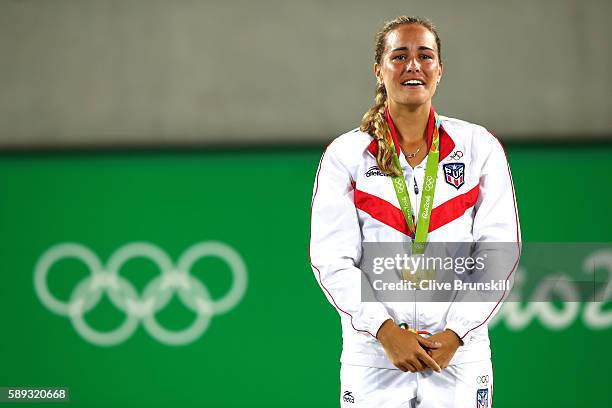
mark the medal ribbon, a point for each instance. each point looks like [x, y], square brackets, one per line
[420, 231]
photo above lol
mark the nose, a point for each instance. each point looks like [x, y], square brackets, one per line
[413, 65]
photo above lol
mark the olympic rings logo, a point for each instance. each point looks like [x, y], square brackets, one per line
[482, 379]
[399, 184]
[457, 155]
[429, 183]
[156, 295]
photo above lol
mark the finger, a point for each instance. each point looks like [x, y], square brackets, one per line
[411, 368]
[428, 343]
[427, 359]
[418, 364]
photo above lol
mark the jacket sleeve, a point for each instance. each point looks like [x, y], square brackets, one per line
[496, 232]
[335, 244]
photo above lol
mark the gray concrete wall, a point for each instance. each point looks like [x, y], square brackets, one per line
[99, 73]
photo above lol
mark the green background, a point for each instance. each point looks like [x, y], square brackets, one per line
[280, 345]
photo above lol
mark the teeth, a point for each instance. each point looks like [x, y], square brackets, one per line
[412, 82]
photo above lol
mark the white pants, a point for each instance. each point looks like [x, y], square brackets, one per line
[463, 385]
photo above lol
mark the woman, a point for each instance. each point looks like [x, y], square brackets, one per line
[454, 177]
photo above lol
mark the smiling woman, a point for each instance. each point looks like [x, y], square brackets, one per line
[409, 175]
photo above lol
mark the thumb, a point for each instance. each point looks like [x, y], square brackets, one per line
[428, 343]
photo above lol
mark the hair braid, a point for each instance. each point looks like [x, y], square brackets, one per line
[374, 123]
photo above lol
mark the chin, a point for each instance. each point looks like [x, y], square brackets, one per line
[413, 102]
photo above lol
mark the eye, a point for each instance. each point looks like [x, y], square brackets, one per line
[425, 56]
[399, 58]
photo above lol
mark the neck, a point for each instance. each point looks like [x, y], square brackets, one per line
[410, 123]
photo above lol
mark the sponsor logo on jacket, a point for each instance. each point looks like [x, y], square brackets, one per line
[374, 171]
[348, 397]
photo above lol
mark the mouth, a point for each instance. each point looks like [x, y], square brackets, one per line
[413, 83]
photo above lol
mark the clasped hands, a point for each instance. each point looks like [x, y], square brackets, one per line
[409, 351]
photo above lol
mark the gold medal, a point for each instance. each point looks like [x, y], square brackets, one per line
[417, 275]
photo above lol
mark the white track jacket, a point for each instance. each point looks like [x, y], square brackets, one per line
[353, 202]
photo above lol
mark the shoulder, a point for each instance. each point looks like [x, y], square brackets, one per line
[352, 141]
[465, 133]
[349, 147]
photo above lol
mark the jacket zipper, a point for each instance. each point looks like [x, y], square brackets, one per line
[416, 193]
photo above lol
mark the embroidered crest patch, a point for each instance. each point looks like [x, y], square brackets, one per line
[482, 398]
[454, 174]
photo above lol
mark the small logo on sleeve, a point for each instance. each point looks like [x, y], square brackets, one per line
[348, 397]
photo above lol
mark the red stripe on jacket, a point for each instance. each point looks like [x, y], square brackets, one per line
[392, 216]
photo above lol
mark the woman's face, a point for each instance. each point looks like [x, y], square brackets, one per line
[410, 68]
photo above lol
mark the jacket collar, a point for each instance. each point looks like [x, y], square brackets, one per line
[447, 145]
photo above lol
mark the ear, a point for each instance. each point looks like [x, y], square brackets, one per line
[377, 73]
[441, 71]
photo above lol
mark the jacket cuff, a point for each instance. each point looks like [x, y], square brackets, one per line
[374, 315]
[460, 330]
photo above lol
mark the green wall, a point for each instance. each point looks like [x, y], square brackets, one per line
[280, 344]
